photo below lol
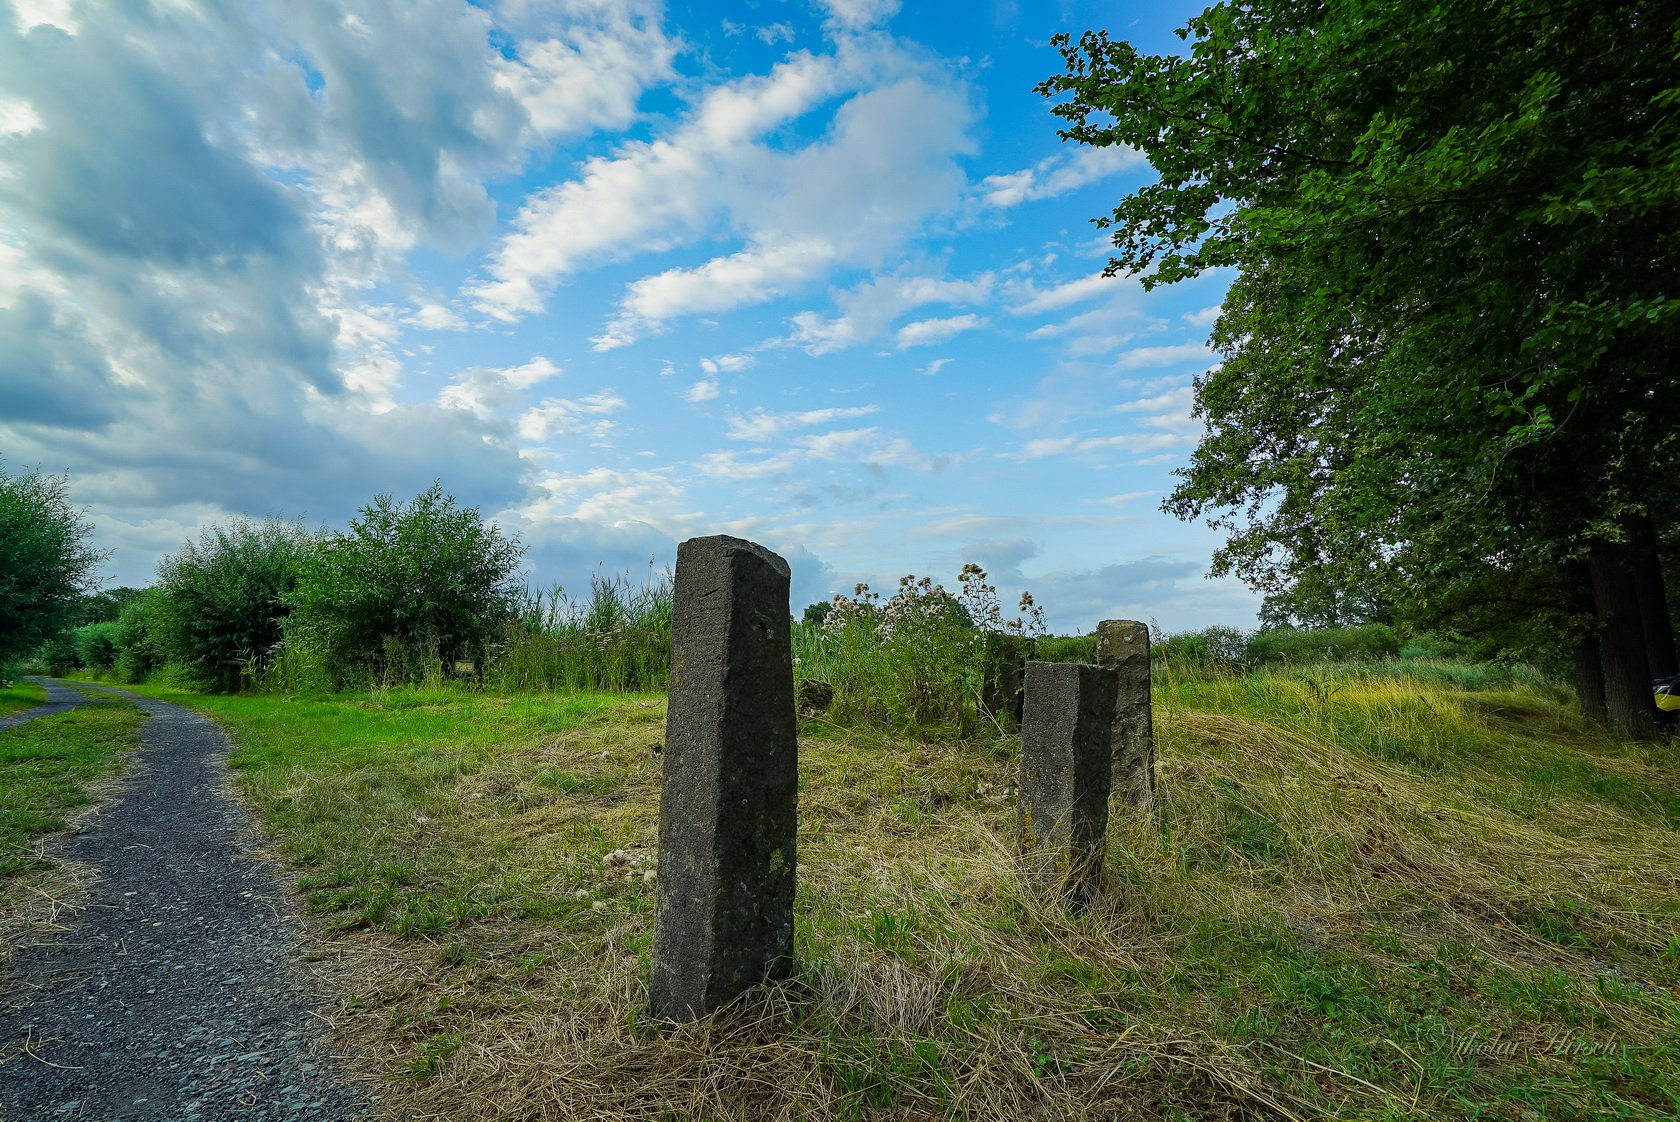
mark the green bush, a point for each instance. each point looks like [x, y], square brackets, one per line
[221, 601]
[1297, 646]
[139, 653]
[918, 661]
[1432, 646]
[1065, 648]
[1212, 648]
[96, 647]
[406, 592]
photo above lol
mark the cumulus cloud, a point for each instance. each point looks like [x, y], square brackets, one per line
[189, 260]
[1058, 174]
[867, 310]
[928, 332]
[886, 161]
[484, 390]
[586, 69]
[854, 15]
[585, 416]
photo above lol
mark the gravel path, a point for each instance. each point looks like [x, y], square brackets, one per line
[170, 998]
[59, 699]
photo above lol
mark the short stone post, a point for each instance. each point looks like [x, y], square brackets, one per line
[727, 813]
[1002, 683]
[1124, 645]
[1062, 812]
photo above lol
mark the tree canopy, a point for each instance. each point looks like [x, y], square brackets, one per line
[1449, 343]
[406, 582]
[46, 561]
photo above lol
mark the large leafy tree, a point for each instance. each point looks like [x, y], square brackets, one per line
[46, 561]
[1450, 342]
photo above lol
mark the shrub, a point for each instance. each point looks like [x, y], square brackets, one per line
[916, 661]
[409, 589]
[1296, 646]
[1066, 648]
[1212, 648]
[96, 647]
[139, 653]
[221, 601]
[618, 639]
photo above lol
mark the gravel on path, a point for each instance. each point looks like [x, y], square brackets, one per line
[60, 699]
[170, 998]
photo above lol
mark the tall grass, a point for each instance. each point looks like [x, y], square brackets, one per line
[617, 639]
[1365, 896]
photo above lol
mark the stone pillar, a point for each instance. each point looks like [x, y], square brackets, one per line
[1003, 681]
[1124, 645]
[1062, 812]
[727, 812]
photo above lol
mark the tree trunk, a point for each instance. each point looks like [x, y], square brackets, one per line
[1589, 679]
[1621, 639]
[1653, 599]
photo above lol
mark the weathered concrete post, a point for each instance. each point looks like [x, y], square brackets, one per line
[1124, 645]
[1062, 813]
[1002, 683]
[727, 815]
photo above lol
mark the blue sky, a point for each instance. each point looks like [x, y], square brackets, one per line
[618, 273]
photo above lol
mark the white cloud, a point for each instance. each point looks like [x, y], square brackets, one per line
[650, 195]
[706, 389]
[1035, 300]
[1170, 355]
[585, 416]
[927, 332]
[17, 117]
[45, 13]
[1120, 442]
[1205, 317]
[887, 161]
[762, 426]
[854, 15]
[934, 367]
[591, 71]
[436, 317]
[869, 309]
[1059, 174]
[484, 390]
[728, 364]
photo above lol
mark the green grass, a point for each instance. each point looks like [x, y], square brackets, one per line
[1369, 894]
[49, 768]
[19, 696]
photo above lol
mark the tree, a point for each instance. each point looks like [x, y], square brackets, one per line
[1449, 341]
[221, 601]
[46, 562]
[406, 583]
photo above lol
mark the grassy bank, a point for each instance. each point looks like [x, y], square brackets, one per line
[1424, 894]
[19, 696]
[50, 769]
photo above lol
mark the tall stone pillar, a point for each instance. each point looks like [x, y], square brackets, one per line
[1062, 813]
[1124, 645]
[727, 813]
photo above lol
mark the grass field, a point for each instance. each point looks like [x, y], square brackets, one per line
[20, 695]
[50, 769]
[1370, 894]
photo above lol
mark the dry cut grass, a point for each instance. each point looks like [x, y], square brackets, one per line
[1364, 897]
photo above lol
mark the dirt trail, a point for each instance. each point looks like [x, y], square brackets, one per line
[170, 996]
